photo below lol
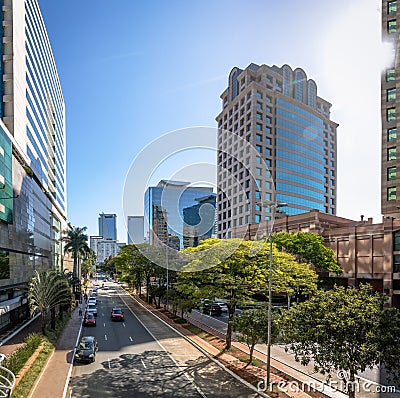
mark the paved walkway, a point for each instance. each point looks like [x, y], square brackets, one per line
[51, 382]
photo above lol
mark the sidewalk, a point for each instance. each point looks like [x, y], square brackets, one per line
[52, 380]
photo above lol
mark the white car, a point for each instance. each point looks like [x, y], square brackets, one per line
[223, 306]
[92, 308]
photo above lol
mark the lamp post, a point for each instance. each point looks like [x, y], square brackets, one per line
[273, 206]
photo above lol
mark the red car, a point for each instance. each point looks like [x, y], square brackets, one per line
[117, 314]
[90, 319]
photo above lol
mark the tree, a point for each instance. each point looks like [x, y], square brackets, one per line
[343, 329]
[76, 244]
[88, 263]
[252, 326]
[308, 247]
[46, 290]
[236, 270]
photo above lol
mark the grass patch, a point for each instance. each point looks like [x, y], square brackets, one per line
[180, 321]
[27, 382]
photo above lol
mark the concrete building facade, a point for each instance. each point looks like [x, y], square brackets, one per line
[135, 226]
[276, 141]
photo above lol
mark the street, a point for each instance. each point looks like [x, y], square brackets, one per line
[142, 357]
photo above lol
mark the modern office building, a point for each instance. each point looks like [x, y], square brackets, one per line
[33, 195]
[275, 137]
[108, 226]
[164, 207]
[390, 181]
[135, 229]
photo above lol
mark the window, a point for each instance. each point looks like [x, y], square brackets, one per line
[268, 130]
[258, 126]
[258, 105]
[268, 120]
[258, 171]
[391, 114]
[258, 147]
[259, 116]
[396, 263]
[392, 25]
[258, 195]
[390, 75]
[391, 173]
[268, 99]
[267, 109]
[391, 153]
[391, 94]
[259, 95]
[392, 134]
[392, 7]
[258, 137]
[257, 219]
[396, 242]
[391, 193]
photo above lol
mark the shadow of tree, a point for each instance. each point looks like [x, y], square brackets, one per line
[154, 374]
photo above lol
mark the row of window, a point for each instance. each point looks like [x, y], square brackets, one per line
[392, 26]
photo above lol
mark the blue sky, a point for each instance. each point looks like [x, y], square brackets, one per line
[132, 71]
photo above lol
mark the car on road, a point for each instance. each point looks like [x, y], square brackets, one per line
[211, 309]
[92, 308]
[86, 349]
[92, 300]
[117, 314]
[223, 306]
[90, 319]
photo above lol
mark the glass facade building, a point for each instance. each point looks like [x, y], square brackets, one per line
[276, 142]
[175, 212]
[32, 157]
[108, 226]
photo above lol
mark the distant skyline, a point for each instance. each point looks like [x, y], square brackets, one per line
[135, 71]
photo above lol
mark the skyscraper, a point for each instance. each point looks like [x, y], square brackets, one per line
[135, 229]
[390, 182]
[33, 195]
[275, 136]
[108, 226]
[164, 212]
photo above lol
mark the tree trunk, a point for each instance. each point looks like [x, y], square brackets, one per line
[228, 338]
[44, 316]
[53, 318]
[288, 301]
[351, 386]
[251, 355]
[75, 265]
[61, 310]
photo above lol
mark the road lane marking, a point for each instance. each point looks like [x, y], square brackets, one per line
[104, 324]
[105, 336]
[130, 338]
[144, 365]
[123, 323]
[109, 364]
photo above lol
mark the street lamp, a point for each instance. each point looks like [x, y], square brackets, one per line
[273, 206]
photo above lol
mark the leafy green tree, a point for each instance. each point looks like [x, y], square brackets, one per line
[76, 244]
[310, 248]
[88, 263]
[46, 290]
[343, 329]
[252, 327]
[236, 270]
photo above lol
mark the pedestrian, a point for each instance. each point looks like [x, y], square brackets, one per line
[85, 297]
[80, 311]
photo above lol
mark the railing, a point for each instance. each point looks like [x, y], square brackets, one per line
[7, 380]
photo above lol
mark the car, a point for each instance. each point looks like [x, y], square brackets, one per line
[90, 319]
[105, 288]
[117, 314]
[92, 308]
[211, 309]
[92, 300]
[86, 349]
[224, 307]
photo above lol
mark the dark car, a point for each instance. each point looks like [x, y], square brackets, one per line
[212, 309]
[90, 319]
[86, 349]
[117, 314]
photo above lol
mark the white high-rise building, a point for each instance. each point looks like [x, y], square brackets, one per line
[135, 229]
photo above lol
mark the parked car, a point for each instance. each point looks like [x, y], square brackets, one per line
[86, 349]
[90, 319]
[224, 307]
[92, 308]
[211, 309]
[117, 314]
[92, 300]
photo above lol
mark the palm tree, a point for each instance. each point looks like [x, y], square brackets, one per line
[88, 263]
[76, 244]
[46, 290]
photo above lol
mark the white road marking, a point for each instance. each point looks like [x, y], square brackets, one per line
[105, 336]
[109, 364]
[130, 338]
[123, 323]
[104, 324]
[144, 365]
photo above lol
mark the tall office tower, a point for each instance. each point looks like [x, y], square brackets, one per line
[32, 156]
[274, 132]
[164, 212]
[135, 229]
[390, 182]
[108, 226]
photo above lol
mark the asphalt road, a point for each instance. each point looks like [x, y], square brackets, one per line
[142, 357]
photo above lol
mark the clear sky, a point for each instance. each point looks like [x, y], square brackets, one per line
[132, 71]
